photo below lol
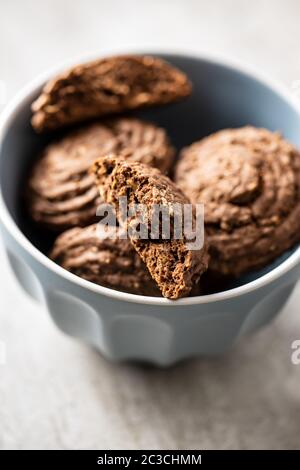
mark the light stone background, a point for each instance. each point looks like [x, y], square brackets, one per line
[58, 393]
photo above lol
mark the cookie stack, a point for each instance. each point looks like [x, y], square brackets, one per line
[248, 180]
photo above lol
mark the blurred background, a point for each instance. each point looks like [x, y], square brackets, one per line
[57, 393]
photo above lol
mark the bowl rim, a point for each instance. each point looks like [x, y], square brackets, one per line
[10, 111]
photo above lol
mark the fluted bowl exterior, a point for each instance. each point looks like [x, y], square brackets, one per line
[156, 330]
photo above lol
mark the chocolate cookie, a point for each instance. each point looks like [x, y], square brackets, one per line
[146, 143]
[107, 86]
[62, 194]
[110, 262]
[173, 265]
[249, 181]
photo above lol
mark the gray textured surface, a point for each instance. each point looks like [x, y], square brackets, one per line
[57, 393]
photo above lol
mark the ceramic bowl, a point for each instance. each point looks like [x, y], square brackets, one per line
[127, 326]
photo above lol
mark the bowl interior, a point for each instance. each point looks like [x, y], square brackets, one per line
[222, 97]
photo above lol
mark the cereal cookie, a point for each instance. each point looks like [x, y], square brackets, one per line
[249, 181]
[173, 265]
[110, 262]
[107, 86]
[61, 194]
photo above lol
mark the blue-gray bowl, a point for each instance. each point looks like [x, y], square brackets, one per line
[127, 326]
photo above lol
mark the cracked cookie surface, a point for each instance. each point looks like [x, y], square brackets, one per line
[107, 86]
[249, 181]
[173, 265]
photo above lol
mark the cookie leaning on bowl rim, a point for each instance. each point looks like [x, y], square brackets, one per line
[60, 191]
[249, 181]
[107, 86]
[105, 259]
[175, 267]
